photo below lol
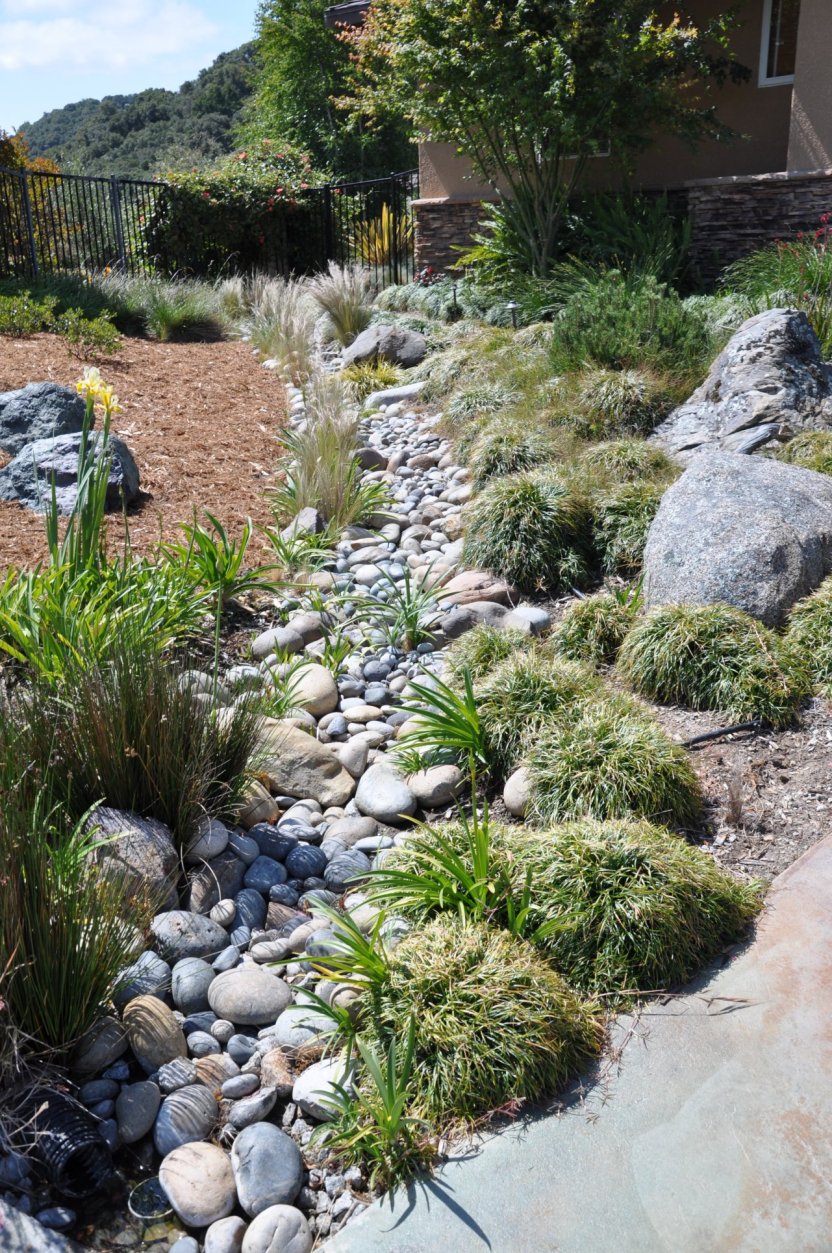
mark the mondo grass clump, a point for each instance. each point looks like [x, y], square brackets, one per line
[714, 657]
[493, 1021]
[621, 402]
[520, 695]
[593, 629]
[610, 759]
[809, 635]
[503, 449]
[532, 529]
[811, 449]
[628, 907]
[621, 518]
[627, 461]
[478, 651]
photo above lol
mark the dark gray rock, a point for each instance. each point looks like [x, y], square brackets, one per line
[307, 522]
[267, 1166]
[746, 531]
[345, 868]
[189, 984]
[265, 873]
[219, 880]
[769, 375]
[186, 1115]
[28, 478]
[305, 861]
[271, 841]
[136, 1109]
[138, 851]
[395, 344]
[249, 996]
[38, 411]
[179, 933]
[147, 976]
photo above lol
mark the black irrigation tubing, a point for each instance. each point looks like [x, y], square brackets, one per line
[753, 725]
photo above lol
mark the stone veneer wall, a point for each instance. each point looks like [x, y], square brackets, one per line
[730, 217]
[442, 228]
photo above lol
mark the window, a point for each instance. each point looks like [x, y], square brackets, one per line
[777, 55]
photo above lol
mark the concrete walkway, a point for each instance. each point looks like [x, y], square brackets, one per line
[713, 1134]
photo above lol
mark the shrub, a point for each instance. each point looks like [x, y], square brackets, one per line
[809, 635]
[519, 696]
[620, 402]
[344, 295]
[592, 630]
[811, 449]
[478, 651]
[21, 315]
[493, 1022]
[88, 337]
[164, 309]
[610, 759]
[366, 379]
[714, 657]
[621, 519]
[627, 461]
[501, 449]
[627, 907]
[531, 529]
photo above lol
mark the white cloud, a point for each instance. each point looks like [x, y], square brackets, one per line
[122, 34]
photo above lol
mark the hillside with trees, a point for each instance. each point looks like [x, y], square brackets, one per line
[142, 134]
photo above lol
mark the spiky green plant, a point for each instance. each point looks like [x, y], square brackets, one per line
[531, 529]
[502, 449]
[592, 630]
[367, 378]
[521, 694]
[714, 657]
[621, 402]
[483, 648]
[480, 400]
[621, 518]
[493, 1022]
[344, 294]
[810, 449]
[610, 759]
[410, 612]
[809, 635]
[627, 907]
[447, 722]
[282, 326]
[627, 461]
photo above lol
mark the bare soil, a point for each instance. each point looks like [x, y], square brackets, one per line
[202, 421]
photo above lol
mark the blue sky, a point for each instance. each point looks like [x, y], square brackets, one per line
[53, 52]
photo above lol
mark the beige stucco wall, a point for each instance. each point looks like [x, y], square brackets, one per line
[760, 113]
[810, 137]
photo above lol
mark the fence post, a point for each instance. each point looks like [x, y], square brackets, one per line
[329, 232]
[30, 229]
[115, 202]
[394, 229]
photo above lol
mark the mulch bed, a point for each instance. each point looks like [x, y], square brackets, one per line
[202, 421]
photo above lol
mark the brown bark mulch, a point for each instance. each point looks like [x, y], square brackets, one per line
[202, 421]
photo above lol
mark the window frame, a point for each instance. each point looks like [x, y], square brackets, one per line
[782, 80]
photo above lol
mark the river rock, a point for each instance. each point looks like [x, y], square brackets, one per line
[295, 764]
[276, 1071]
[306, 861]
[199, 1183]
[381, 342]
[252, 1109]
[344, 868]
[300, 1026]
[154, 1034]
[28, 478]
[476, 586]
[137, 1105]
[768, 381]
[437, 786]
[315, 690]
[268, 1168]
[745, 531]
[317, 1083]
[138, 851]
[517, 792]
[149, 975]
[257, 805]
[38, 411]
[103, 1044]
[383, 794]
[185, 1116]
[248, 996]
[225, 1236]
[179, 933]
[216, 880]
[190, 982]
[211, 839]
[279, 1229]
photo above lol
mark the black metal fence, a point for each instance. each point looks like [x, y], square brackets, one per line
[53, 223]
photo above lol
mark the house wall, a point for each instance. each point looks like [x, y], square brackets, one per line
[810, 137]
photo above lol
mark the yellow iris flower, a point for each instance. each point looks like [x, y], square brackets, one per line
[92, 386]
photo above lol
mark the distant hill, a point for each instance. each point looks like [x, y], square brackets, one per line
[142, 134]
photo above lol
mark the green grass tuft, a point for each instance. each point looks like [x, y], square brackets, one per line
[507, 448]
[714, 657]
[811, 449]
[627, 461]
[621, 402]
[592, 630]
[809, 635]
[610, 759]
[483, 648]
[621, 518]
[531, 529]
[493, 1022]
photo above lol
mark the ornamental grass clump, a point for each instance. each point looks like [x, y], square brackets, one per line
[520, 695]
[493, 1022]
[714, 657]
[344, 295]
[503, 448]
[592, 630]
[628, 907]
[533, 530]
[478, 651]
[620, 402]
[626, 461]
[621, 518]
[610, 759]
[809, 635]
[810, 449]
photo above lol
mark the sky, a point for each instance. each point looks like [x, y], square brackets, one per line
[53, 52]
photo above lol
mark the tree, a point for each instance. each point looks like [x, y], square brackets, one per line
[529, 91]
[303, 65]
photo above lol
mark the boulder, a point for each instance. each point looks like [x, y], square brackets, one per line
[395, 344]
[28, 478]
[436, 786]
[745, 531]
[38, 411]
[138, 850]
[315, 690]
[768, 381]
[517, 792]
[295, 764]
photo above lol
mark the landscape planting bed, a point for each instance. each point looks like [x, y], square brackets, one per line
[201, 420]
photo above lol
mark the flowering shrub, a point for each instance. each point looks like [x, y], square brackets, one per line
[249, 212]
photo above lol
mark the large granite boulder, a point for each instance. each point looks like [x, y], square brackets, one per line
[745, 531]
[38, 411]
[137, 851]
[768, 382]
[28, 478]
[395, 344]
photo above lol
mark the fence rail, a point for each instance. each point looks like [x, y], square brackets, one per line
[71, 223]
